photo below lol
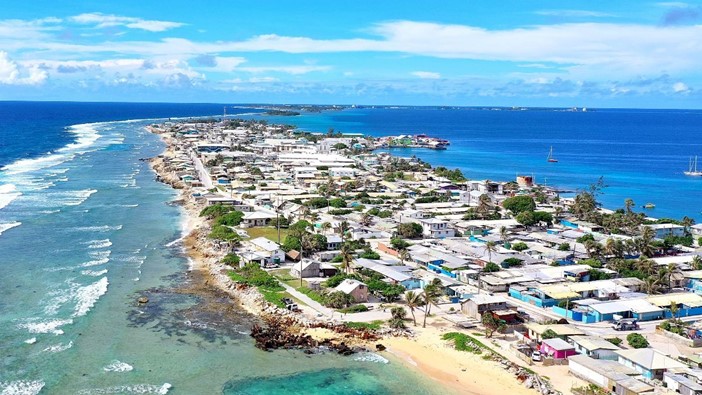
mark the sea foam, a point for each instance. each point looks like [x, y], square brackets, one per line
[130, 389]
[9, 225]
[8, 193]
[87, 296]
[21, 387]
[51, 326]
[118, 366]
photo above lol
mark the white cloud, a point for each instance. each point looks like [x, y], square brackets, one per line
[427, 75]
[680, 87]
[103, 20]
[13, 74]
[295, 70]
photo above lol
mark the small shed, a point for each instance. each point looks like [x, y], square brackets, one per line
[480, 303]
[557, 348]
[306, 267]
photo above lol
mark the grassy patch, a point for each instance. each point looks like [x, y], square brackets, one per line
[274, 297]
[463, 342]
[359, 308]
[374, 325]
[312, 294]
[478, 334]
[268, 232]
[283, 275]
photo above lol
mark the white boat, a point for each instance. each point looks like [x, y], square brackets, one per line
[550, 158]
[692, 169]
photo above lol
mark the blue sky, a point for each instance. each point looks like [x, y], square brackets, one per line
[512, 53]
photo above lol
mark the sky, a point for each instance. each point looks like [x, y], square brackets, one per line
[596, 53]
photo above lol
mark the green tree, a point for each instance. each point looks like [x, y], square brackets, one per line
[398, 315]
[430, 294]
[491, 267]
[491, 324]
[520, 246]
[346, 254]
[519, 204]
[337, 300]
[409, 230]
[635, 340]
[549, 334]
[413, 300]
[232, 218]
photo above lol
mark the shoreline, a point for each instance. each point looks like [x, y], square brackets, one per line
[452, 369]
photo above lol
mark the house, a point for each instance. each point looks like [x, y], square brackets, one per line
[564, 331]
[333, 242]
[269, 250]
[342, 172]
[436, 228]
[595, 347]
[606, 374]
[649, 362]
[557, 348]
[256, 218]
[355, 288]
[681, 384]
[305, 268]
[481, 303]
[662, 231]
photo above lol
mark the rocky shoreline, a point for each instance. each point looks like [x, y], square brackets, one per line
[278, 328]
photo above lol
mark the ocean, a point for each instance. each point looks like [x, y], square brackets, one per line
[641, 154]
[85, 230]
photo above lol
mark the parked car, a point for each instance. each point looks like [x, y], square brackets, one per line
[625, 325]
[536, 356]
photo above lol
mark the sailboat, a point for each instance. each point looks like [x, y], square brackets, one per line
[550, 156]
[692, 169]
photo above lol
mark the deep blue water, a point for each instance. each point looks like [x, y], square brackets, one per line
[640, 153]
[84, 231]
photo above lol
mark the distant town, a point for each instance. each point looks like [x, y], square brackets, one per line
[561, 293]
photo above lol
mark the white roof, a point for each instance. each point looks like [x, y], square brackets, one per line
[265, 244]
[487, 299]
[650, 358]
[558, 344]
[349, 285]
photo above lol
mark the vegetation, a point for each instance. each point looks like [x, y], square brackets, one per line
[531, 218]
[615, 340]
[253, 275]
[231, 259]
[223, 233]
[549, 334]
[492, 324]
[520, 246]
[519, 204]
[337, 300]
[399, 244]
[454, 175]
[359, 308]
[635, 340]
[374, 325]
[491, 267]
[409, 230]
[463, 342]
[232, 218]
[397, 320]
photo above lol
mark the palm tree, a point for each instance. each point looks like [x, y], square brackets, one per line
[628, 205]
[429, 295]
[645, 266]
[484, 205]
[413, 300]
[503, 235]
[557, 212]
[696, 262]
[346, 257]
[687, 222]
[326, 226]
[490, 247]
[651, 285]
[670, 271]
[614, 248]
[342, 229]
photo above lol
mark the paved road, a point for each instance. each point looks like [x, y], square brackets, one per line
[316, 306]
[201, 171]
